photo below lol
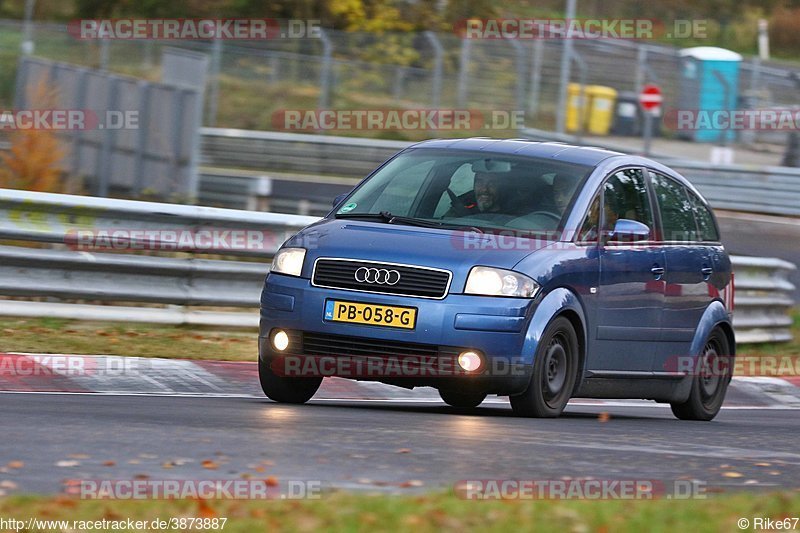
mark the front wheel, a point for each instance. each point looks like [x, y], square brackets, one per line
[285, 389]
[712, 375]
[555, 369]
[462, 399]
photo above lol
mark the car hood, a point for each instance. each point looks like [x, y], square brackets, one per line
[454, 250]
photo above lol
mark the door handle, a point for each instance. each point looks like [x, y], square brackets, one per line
[657, 271]
[706, 271]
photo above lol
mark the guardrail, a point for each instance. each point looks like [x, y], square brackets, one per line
[774, 190]
[69, 278]
[762, 299]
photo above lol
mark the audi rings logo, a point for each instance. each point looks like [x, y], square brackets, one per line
[379, 276]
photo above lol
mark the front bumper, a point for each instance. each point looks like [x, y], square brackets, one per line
[494, 326]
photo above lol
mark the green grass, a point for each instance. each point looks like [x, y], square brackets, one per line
[787, 349]
[53, 335]
[428, 513]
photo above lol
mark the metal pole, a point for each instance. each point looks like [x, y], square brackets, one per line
[519, 92]
[726, 94]
[104, 54]
[536, 76]
[583, 109]
[27, 45]
[566, 53]
[648, 131]
[325, 71]
[213, 97]
[463, 71]
[438, 66]
[641, 67]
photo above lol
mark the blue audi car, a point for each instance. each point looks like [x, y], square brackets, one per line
[534, 270]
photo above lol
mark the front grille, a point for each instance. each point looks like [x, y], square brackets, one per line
[423, 282]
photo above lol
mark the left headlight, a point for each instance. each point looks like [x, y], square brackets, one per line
[288, 261]
[500, 282]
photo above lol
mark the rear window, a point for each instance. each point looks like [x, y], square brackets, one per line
[705, 220]
[677, 213]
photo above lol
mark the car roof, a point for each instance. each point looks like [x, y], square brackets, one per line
[584, 155]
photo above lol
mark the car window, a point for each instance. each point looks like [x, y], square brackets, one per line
[625, 196]
[399, 194]
[677, 214]
[470, 189]
[704, 218]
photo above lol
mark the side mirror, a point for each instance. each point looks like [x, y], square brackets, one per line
[626, 230]
[338, 199]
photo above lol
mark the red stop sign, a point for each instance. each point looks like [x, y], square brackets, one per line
[650, 97]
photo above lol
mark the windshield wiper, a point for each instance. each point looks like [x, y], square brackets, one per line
[431, 224]
[384, 216]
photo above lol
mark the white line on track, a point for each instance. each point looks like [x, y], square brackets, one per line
[381, 400]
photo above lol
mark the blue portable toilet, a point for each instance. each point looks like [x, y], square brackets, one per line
[709, 82]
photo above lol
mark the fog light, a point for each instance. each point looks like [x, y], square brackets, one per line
[469, 361]
[280, 340]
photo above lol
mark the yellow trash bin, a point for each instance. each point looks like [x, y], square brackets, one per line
[575, 108]
[600, 115]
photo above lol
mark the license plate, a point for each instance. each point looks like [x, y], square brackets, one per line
[375, 315]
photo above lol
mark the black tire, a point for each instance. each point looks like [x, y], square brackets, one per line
[555, 369]
[710, 380]
[286, 390]
[462, 399]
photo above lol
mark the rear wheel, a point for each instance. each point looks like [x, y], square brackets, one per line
[462, 399]
[285, 389]
[710, 382]
[555, 369]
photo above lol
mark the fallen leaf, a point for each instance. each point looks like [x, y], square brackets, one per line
[15, 464]
[167, 465]
[404, 450]
[604, 417]
[204, 510]
[271, 481]
[109, 463]
[67, 464]
[8, 484]
[141, 476]
[260, 469]
[78, 456]
[411, 483]
[209, 464]
[763, 464]
[731, 474]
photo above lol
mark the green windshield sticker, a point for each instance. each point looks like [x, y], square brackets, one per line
[349, 207]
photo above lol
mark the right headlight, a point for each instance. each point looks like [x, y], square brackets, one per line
[489, 281]
[288, 261]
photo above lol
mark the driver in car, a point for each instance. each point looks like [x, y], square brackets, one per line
[486, 197]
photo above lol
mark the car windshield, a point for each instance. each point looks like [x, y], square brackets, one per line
[468, 189]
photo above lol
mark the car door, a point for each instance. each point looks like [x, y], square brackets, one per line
[630, 295]
[689, 266]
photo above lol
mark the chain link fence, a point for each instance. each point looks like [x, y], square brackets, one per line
[250, 80]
